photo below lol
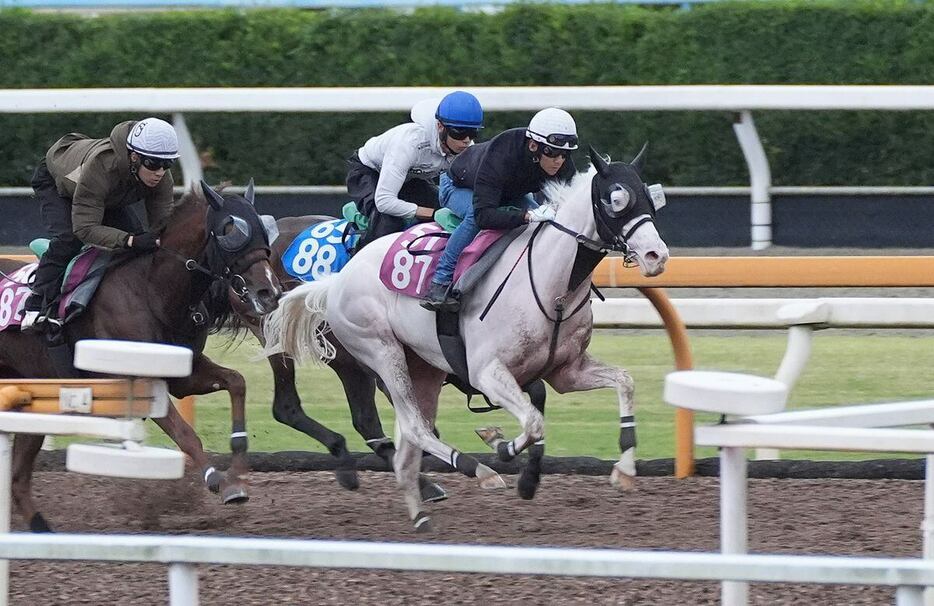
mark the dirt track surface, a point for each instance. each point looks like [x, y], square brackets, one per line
[845, 517]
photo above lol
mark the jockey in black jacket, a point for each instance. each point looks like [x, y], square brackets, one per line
[503, 172]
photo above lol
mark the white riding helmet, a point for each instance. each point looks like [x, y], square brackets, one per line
[154, 138]
[554, 127]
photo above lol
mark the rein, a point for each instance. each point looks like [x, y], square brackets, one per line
[590, 253]
[235, 280]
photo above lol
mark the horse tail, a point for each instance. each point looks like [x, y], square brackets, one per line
[297, 328]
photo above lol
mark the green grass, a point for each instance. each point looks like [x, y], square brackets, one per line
[845, 368]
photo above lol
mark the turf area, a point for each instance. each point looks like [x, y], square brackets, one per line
[845, 368]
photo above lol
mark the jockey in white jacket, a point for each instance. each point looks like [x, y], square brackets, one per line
[392, 177]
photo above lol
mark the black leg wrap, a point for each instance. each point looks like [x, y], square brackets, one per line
[627, 433]
[465, 464]
[536, 391]
[532, 473]
[502, 451]
[38, 524]
[238, 445]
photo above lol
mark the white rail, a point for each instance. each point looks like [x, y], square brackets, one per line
[741, 99]
[827, 312]
[909, 576]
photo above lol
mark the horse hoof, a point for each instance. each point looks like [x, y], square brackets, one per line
[235, 494]
[622, 481]
[431, 492]
[347, 478]
[423, 523]
[493, 482]
[491, 436]
[38, 524]
[213, 481]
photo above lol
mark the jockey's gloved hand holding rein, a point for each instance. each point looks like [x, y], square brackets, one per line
[542, 213]
[144, 242]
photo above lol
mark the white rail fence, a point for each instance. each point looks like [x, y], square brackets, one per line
[907, 576]
[740, 99]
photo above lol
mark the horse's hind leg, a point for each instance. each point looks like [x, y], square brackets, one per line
[587, 373]
[360, 389]
[208, 377]
[25, 449]
[406, 464]
[287, 409]
[426, 382]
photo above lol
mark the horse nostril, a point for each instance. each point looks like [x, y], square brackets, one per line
[651, 256]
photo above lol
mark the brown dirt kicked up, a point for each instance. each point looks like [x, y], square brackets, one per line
[878, 517]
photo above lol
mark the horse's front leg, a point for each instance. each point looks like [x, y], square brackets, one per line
[208, 377]
[498, 384]
[188, 441]
[587, 373]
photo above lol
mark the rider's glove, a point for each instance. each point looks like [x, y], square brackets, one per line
[145, 241]
[542, 213]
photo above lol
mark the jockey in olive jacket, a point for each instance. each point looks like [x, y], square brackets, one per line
[95, 174]
[85, 187]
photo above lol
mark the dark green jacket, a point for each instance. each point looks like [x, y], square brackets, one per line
[95, 174]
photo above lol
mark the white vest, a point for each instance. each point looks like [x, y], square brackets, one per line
[408, 151]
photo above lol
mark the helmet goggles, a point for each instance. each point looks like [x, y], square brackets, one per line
[154, 164]
[555, 152]
[461, 133]
[557, 140]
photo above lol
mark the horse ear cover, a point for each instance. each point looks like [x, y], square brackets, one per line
[213, 198]
[598, 162]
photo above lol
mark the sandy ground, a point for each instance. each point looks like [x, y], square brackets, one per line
[867, 517]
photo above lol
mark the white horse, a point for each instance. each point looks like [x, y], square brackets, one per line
[538, 327]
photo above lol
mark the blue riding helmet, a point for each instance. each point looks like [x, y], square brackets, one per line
[460, 109]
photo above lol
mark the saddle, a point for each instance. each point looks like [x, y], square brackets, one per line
[82, 277]
[410, 264]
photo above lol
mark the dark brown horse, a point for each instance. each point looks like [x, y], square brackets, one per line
[211, 244]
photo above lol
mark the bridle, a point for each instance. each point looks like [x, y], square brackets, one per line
[222, 259]
[589, 253]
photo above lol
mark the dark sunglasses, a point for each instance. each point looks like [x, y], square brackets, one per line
[459, 134]
[151, 163]
[562, 140]
[553, 152]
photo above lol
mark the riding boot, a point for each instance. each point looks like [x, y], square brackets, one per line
[34, 313]
[440, 298]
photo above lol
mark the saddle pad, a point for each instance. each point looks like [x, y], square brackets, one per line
[13, 294]
[320, 250]
[409, 274]
[82, 277]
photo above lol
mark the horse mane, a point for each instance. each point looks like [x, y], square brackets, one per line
[557, 193]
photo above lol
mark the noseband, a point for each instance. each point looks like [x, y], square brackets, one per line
[225, 248]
